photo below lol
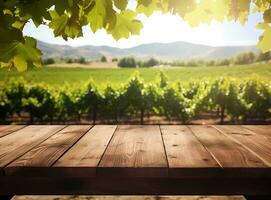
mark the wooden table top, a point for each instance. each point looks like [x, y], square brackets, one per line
[135, 151]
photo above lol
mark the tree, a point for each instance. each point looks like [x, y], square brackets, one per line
[66, 19]
[114, 60]
[69, 61]
[263, 56]
[245, 58]
[48, 61]
[128, 62]
[223, 62]
[103, 59]
[150, 63]
[82, 60]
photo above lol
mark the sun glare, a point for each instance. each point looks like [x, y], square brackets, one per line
[170, 28]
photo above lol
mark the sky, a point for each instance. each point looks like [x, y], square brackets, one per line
[162, 28]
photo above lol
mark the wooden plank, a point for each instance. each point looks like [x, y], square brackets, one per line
[186, 155]
[258, 144]
[38, 160]
[228, 153]
[264, 130]
[18, 143]
[135, 151]
[7, 129]
[83, 158]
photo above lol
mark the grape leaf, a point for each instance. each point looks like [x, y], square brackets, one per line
[261, 5]
[58, 23]
[145, 3]
[36, 10]
[20, 63]
[264, 43]
[267, 16]
[97, 15]
[20, 53]
[182, 7]
[126, 25]
[110, 19]
[121, 4]
[206, 11]
[147, 7]
[239, 10]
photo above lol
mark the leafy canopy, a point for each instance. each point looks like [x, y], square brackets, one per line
[67, 17]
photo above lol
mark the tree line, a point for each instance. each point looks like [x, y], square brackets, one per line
[239, 59]
[131, 62]
[229, 99]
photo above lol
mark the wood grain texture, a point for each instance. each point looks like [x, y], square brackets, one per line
[38, 161]
[186, 155]
[227, 152]
[16, 144]
[7, 129]
[131, 160]
[264, 130]
[257, 143]
[135, 151]
[83, 158]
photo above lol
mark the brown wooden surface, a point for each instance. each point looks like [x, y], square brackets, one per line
[264, 130]
[135, 151]
[41, 157]
[133, 159]
[7, 129]
[83, 158]
[257, 144]
[19, 142]
[227, 153]
[185, 152]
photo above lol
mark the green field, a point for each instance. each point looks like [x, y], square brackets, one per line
[59, 76]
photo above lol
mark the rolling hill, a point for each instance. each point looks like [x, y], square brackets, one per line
[164, 51]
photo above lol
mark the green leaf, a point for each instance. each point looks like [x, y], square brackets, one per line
[265, 43]
[147, 7]
[36, 10]
[73, 30]
[7, 51]
[145, 3]
[58, 23]
[97, 15]
[261, 5]
[20, 63]
[182, 7]
[239, 10]
[110, 19]
[206, 11]
[20, 53]
[28, 50]
[2, 64]
[121, 4]
[126, 25]
[19, 24]
[267, 16]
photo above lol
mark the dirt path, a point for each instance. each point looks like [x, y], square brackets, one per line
[87, 65]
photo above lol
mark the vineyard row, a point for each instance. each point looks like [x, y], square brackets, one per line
[231, 99]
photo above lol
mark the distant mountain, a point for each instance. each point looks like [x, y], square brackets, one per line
[164, 51]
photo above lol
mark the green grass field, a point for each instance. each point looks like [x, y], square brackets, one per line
[59, 76]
